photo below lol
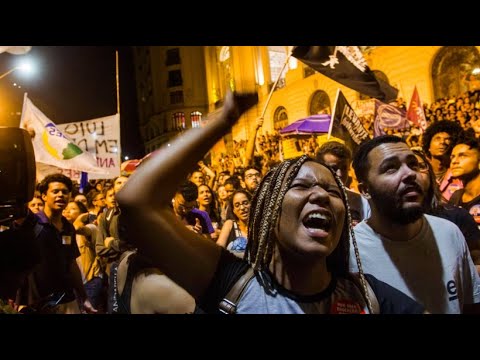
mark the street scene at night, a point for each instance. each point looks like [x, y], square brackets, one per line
[239, 180]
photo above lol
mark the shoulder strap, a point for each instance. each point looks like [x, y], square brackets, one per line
[371, 294]
[229, 303]
[108, 219]
[238, 233]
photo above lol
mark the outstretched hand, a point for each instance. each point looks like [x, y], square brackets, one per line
[238, 103]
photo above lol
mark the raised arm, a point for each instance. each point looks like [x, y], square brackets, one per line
[250, 148]
[145, 200]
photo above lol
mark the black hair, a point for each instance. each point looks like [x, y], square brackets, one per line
[188, 190]
[446, 126]
[250, 168]
[336, 148]
[60, 178]
[230, 214]
[360, 160]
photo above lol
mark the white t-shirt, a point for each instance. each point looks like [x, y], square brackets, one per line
[434, 267]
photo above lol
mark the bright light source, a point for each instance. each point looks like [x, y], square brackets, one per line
[168, 145]
[126, 157]
[476, 71]
[26, 66]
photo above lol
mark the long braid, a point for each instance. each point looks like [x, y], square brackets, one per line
[354, 241]
[265, 210]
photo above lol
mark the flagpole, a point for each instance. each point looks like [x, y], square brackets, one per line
[118, 101]
[332, 117]
[275, 85]
[23, 107]
[117, 82]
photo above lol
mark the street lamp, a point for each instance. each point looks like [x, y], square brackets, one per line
[26, 67]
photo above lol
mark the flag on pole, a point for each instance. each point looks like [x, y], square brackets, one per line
[51, 146]
[390, 117]
[346, 65]
[346, 125]
[415, 111]
[15, 50]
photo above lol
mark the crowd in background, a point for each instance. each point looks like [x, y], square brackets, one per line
[213, 201]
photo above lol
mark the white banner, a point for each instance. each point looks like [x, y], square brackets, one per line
[44, 170]
[51, 146]
[101, 137]
[15, 50]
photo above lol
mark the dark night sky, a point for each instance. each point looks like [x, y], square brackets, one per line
[75, 83]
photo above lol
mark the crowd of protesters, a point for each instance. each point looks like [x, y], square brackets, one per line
[101, 270]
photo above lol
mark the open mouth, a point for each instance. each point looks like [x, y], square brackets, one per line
[412, 193]
[318, 223]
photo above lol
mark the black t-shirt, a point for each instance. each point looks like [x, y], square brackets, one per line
[473, 206]
[465, 222]
[52, 275]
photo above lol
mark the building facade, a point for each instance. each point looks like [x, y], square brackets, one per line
[436, 71]
[171, 91]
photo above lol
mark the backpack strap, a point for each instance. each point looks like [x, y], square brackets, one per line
[371, 294]
[229, 303]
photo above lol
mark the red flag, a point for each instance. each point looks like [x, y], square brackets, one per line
[415, 111]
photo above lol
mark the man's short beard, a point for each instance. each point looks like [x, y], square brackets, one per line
[388, 206]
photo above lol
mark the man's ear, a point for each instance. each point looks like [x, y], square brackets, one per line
[364, 190]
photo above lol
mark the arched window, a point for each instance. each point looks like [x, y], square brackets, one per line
[453, 71]
[196, 118]
[178, 121]
[320, 103]
[379, 75]
[280, 118]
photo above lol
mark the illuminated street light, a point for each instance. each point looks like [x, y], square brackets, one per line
[25, 67]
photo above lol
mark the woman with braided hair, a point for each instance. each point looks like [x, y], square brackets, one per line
[298, 235]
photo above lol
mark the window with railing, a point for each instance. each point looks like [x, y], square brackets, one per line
[179, 121]
[196, 118]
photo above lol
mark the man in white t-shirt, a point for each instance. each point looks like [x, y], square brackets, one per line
[424, 256]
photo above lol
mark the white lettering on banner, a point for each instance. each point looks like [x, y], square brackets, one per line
[352, 123]
[100, 137]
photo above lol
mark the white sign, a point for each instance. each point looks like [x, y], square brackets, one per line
[100, 137]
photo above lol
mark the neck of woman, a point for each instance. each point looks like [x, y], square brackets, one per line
[299, 276]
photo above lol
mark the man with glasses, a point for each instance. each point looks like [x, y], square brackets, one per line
[251, 178]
